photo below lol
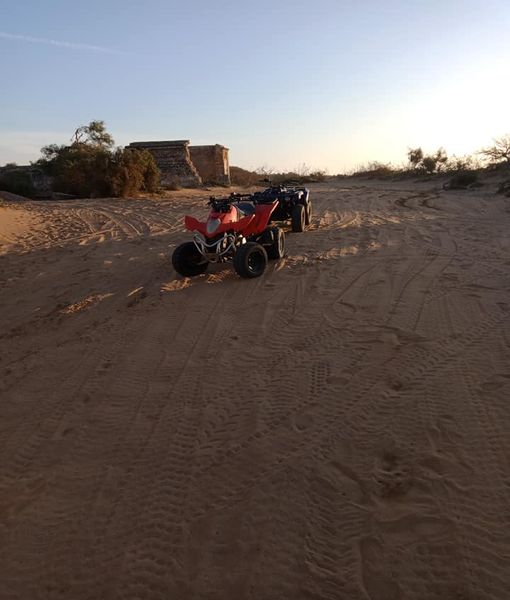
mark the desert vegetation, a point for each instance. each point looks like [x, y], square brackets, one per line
[16, 181]
[419, 163]
[244, 177]
[463, 171]
[264, 174]
[499, 152]
[90, 166]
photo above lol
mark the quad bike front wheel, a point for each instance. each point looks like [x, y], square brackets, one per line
[298, 218]
[250, 260]
[276, 250]
[188, 261]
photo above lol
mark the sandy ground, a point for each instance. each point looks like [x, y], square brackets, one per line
[339, 428]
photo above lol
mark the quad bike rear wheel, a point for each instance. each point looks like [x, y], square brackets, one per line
[276, 250]
[188, 261]
[250, 260]
[308, 213]
[298, 218]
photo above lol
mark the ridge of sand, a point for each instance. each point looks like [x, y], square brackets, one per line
[338, 428]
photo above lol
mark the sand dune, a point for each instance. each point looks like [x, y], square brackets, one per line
[338, 428]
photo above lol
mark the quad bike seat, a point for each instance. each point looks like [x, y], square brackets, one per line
[245, 209]
[264, 198]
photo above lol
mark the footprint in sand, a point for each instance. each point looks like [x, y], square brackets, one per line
[392, 476]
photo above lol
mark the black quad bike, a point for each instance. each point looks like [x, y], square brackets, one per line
[294, 204]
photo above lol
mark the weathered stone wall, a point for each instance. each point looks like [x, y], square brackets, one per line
[188, 166]
[174, 162]
[42, 183]
[211, 163]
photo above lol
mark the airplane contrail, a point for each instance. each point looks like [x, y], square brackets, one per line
[61, 44]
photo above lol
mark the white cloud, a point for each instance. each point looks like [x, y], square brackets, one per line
[71, 45]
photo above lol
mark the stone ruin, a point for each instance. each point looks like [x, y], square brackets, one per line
[40, 181]
[211, 163]
[188, 166]
[181, 165]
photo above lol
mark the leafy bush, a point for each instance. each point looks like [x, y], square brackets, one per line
[17, 182]
[131, 171]
[79, 169]
[430, 163]
[90, 167]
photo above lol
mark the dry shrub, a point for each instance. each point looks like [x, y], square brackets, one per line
[504, 188]
[375, 169]
[243, 177]
[499, 151]
[301, 175]
[463, 180]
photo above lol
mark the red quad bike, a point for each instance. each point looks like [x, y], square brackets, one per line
[236, 230]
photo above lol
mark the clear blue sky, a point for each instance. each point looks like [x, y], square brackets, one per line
[328, 83]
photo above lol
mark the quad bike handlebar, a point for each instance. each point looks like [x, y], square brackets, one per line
[224, 204]
[219, 204]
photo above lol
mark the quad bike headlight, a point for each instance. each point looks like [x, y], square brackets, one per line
[212, 225]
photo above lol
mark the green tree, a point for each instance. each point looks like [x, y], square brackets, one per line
[90, 166]
[93, 134]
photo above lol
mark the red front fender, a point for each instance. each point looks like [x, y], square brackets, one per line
[193, 224]
[243, 224]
